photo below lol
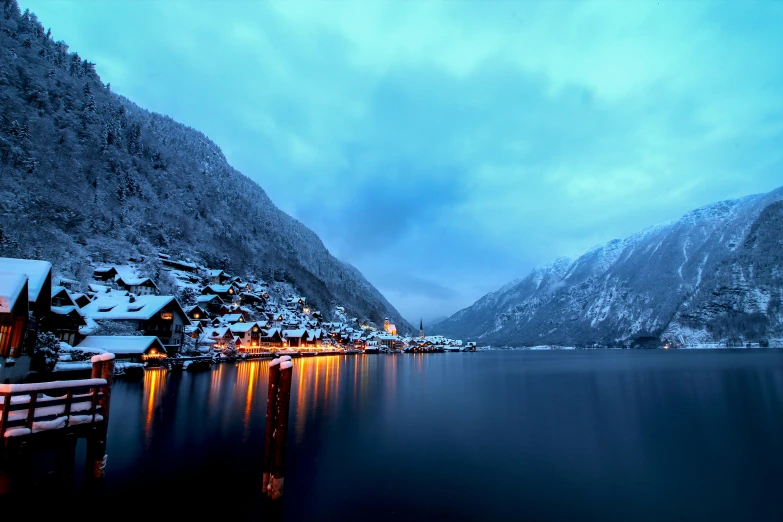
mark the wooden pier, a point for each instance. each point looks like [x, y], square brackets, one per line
[53, 416]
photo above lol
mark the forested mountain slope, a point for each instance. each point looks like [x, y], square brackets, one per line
[87, 174]
[712, 276]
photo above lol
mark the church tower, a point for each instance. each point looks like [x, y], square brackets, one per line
[421, 328]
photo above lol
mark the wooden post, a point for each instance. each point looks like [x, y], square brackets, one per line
[102, 368]
[271, 408]
[281, 430]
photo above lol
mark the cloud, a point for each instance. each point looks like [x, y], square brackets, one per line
[455, 145]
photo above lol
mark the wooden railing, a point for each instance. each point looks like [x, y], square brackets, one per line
[33, 408]
[52, 415]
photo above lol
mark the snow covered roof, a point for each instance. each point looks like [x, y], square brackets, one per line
[184, 263]
[218, 332]
[35, 270]
[243, 327]
[220, 289]
[232, 318]
[126, 271]
[121, 308]
[122, 344]
[136, 281]
[214, 273]
[208, 298]
[294, 333]
[76, 296]
[89, 328]
[64, 310]
[11, 286]
[103, 289]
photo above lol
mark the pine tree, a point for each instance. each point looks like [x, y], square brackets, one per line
[47, 351]
[89, 99]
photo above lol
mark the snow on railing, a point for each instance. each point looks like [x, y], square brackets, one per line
[36, 407]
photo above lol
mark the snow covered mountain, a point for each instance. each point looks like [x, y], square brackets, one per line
[712, 276]
[86, 174]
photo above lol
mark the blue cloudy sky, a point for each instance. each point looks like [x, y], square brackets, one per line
[445, 148]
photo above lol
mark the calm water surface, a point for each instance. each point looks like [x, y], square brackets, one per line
[568, 435]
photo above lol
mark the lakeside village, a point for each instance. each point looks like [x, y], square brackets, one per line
[50, 329]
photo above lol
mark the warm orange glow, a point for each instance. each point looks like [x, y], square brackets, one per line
[154, 354]
[253, 371]
[167, 315]
[196, 315]
[154, 381]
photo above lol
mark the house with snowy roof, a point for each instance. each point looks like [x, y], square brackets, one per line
[95, 290]
[296, 338]
[217, 276]
[249, 298]
[104, 273]
[137, 285]
[194, 330]
[315, 336]
[158, 315]
[296, 303]
[178, 264]
[249, 336]
[135, 348]
[272, 337]
[232, 318]
[39, 283]
[220, 335]
[225, 292]
[197, 313]
[126, 277]
[212, 302]
[66, 317]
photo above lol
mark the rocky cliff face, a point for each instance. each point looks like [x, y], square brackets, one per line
[87, 174]
[712, 276]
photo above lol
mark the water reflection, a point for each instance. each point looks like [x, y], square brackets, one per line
[154, 388]
[622, 436]
[251, 369]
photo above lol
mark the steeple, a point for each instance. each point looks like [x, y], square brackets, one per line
[421, 328]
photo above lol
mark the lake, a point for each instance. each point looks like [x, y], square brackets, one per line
[499, 435]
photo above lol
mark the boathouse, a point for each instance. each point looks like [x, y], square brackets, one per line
[135, 348]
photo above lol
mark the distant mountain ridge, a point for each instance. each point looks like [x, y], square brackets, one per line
[87, 174]
[712, 276]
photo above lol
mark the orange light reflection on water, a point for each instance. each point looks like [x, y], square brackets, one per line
[154, 385]
[252, 371]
